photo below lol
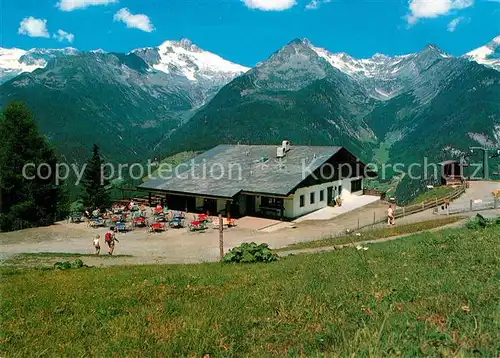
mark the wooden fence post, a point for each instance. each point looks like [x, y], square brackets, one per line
[470, 204]
[358, 223]
[374, 218]
[221, 237]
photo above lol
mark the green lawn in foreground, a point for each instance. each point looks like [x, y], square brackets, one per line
[373, 235]
[434, 294]
[36, 259]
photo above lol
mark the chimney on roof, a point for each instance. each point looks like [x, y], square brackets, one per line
[281, 151]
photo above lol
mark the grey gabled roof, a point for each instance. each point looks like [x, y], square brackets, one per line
[226, 170]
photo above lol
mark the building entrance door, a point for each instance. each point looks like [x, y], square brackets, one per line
[329, 195]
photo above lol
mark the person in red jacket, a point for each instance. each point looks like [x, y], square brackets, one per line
[110, 239]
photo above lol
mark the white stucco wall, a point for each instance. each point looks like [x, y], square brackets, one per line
[346, 187]
[296, 210]
[292, 205]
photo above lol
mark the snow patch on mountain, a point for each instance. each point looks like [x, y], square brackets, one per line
[488, 55]
[10, 64]
[496, 133]
[183, 57]
[383, 94]
[375, 67]
[14, 61]
[482, 139]
[453, 152]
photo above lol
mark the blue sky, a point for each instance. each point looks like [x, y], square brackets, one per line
[248, 31]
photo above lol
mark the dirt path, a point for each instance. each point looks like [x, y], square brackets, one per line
[173, 246]
[180, 246]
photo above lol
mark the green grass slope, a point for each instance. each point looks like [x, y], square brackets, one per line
[434, 294]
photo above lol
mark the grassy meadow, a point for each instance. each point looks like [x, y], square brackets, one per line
[374, 234]
[434, 294]
[432, 194]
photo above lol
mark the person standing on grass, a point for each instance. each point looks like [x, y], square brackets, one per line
[97, 245]
[391, 220]
[110, 239]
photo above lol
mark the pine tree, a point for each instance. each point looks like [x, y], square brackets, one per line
[96, 195]
[26, 199]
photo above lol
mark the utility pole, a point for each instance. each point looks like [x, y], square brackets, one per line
[221, 237]
[486, 171]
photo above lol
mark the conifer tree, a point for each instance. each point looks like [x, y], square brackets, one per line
[29, 195]
[95, 194]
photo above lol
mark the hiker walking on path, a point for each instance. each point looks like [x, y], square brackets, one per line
[97, 245]
[391, 220]
[110, 239]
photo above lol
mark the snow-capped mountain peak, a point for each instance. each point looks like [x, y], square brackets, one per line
[435, 50]
[186, 59]
[376, 66]
[14, 61]
[384, 76]
[10, 62]
[488, 55]
[99, 50]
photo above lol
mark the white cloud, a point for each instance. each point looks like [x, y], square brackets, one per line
[452, 26]
[433, 8]
[70, 5]
[315, 4]
[62, 35]
[33, 27]
[137, 21]
[270, 5]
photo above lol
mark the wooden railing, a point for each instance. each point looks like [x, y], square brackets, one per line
[429, 204]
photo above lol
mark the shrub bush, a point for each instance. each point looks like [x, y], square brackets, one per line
[249, 253]
[478, 222]
[65, 265]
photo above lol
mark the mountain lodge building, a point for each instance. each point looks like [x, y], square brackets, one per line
[283, 182]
